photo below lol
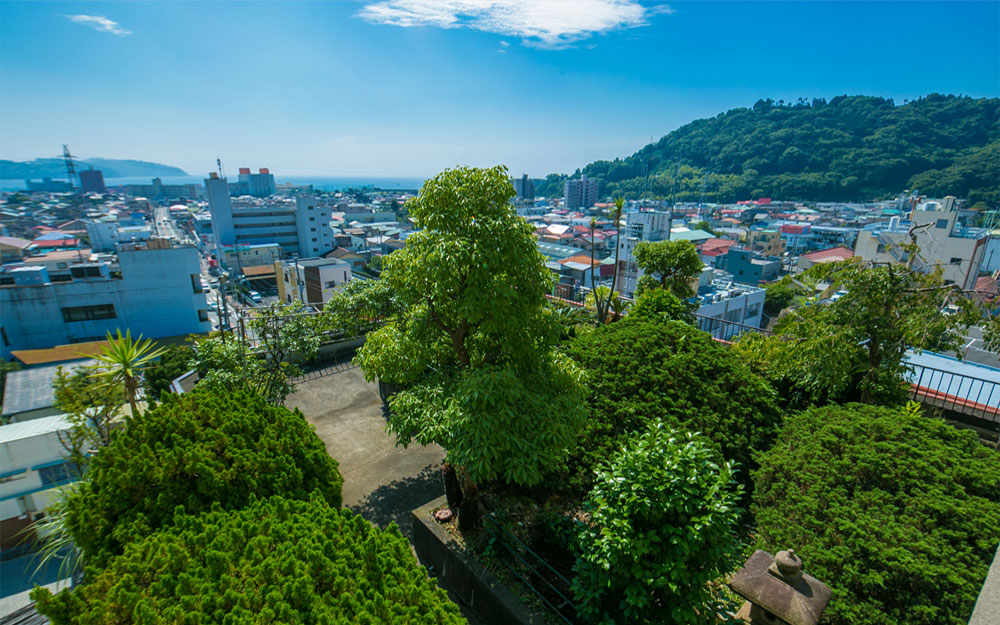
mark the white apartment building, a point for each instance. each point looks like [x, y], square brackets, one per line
[312, 281]
[642, 225]
[959, 251]
[153, 290]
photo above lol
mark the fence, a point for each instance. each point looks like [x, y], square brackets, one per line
[549, 585]
[723, 330]
[972, 399]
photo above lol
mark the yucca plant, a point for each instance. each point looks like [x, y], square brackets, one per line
[124, 360]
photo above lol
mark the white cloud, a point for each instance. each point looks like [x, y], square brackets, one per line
[100, 23]
[541, 23]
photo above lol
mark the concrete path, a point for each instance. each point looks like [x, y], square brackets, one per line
[382, 482]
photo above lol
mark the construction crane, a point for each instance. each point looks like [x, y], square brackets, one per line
[70, 167]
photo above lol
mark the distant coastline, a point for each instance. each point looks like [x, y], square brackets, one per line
[320, 183]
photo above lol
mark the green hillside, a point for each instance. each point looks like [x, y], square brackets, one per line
[850, 148]
[112, 168]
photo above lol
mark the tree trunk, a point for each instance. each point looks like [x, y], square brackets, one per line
[452, 488]
[469, 514]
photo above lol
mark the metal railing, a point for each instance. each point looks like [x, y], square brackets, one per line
[956, 393]
[724, 330]
[549, 585]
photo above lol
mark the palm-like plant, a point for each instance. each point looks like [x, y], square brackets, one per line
[123, 361]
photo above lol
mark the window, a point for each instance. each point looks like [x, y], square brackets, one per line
[60, 265]
[202, 315]
[312, 229]
[955, 261]
[753, 311]
[85, 271]
[312, 219]
[314, 239]
[330, 284]
[941, 224]
[196, 282]
[57, 473]
[89, 313]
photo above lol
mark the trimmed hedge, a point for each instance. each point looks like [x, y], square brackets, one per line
[275, 561]
[192, 451]
[898, 513]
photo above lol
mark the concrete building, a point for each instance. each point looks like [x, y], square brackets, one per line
[48, 185]
[312, 223]
[525, 188]
[28, 393]
[13, 249]
[580, 193]
[92, 181]
[260, 184]
[312, 281]
[723, 303]
[642, 225]
[153, 290]
[32, 464]
[957, 250]
[765, 242]
[159, 191]
[747, 267]
[237, 256]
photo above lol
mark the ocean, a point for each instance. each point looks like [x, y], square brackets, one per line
[320, 183]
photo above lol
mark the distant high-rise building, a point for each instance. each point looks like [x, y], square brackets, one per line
[580, 193]
[92, 181]
[524, 188]
[260, 184]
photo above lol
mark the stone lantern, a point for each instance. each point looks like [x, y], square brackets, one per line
[778, 592]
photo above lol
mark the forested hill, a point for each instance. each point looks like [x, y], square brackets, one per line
[850, 148]
[112, 168]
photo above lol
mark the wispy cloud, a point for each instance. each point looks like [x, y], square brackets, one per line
[100, 23]
[540, 23]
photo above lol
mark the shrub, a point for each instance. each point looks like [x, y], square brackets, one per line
[664, 513]
[899, 514]
[191, 451]
[174, 362]
[643, 371]
[276, 561]
[662, 305]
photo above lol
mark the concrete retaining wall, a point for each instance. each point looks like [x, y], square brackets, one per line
[476, 587]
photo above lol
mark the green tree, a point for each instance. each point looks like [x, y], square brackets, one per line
[360, 306]
[640, 371]
[93, 407]
[898, 513]
[472, 345]
[194, 450]
[671, 265]
[275, 561]
[777, 297]
[174, 362]
[123, 361]
[662, 305]
[855, 348]
[663, 519]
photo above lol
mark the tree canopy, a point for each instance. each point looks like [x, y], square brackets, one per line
[898, 513]
[275, 561]
[847, 148]
[470, 339]
[641, 371]
[193, 450]
[670, 265]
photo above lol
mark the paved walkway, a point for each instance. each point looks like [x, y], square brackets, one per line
[382, 482]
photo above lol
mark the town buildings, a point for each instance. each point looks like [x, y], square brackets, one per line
[92, 181]
[312, 281]
[580, 193]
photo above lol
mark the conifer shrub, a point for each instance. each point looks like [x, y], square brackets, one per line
[190, 452]
[641, 371]
[898, 513]
[275, 561]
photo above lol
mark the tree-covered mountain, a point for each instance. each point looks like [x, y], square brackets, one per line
[112, 168]
[850, 148]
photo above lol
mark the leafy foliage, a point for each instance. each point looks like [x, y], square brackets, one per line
[848, 148]
[899, 514]
[473, 334]
[777, 297]
[673, 263]
[855, 347]
[174, 362]
[640, 372]
[275, 561]
[360, 306]
[191, 451]
[92, 406]
[664, 514]
[662, 305]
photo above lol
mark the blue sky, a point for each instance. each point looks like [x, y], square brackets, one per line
[409, 87]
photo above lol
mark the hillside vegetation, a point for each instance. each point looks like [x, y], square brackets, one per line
[112, 168]
[850, 148]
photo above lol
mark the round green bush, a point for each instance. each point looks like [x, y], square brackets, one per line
[641, 371]
[275, 561]
[192, 451]
[898, 513]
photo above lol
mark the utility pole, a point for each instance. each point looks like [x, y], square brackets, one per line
[224, 323]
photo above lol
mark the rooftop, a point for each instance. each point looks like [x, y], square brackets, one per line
[31, 389]
[33, 427]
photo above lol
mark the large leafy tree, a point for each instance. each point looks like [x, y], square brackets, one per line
[855, 347]
[472, 343]
[898, 513]
[194, 450]
[663, 519]
[669, 265]
[640, 371]
[275, 561]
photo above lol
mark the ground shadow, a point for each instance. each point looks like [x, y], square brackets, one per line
[394, 501]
